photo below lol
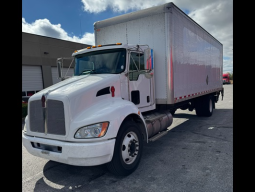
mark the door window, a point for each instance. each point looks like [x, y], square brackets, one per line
[136, 65]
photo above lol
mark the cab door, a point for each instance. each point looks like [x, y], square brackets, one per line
[140, 84]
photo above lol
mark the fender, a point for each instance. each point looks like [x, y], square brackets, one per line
[113, 110]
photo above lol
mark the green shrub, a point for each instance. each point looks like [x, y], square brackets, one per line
[230, 76]
[24, 110]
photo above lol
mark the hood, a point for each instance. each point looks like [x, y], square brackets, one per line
[79, 93]
[75, 85]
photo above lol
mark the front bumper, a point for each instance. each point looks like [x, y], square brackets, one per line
[80, 154]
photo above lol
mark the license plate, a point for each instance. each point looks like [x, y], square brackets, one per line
[45, 152]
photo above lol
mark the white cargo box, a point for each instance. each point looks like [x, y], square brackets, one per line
[188, 60]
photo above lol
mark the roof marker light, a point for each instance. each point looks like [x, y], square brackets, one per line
[94, 46]
[118, 43]
[88, 47]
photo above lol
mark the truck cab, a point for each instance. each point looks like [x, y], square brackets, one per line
[131, 65]
[95, 117]
[225, 78]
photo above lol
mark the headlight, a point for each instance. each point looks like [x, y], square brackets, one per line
[92, 131]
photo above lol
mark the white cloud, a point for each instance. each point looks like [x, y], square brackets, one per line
[214, 16]
[96, 6]
[45, 28]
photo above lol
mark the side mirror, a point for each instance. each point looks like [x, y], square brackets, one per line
[59, 66]
[148, 59]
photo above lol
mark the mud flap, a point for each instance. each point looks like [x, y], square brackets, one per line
[222, 93]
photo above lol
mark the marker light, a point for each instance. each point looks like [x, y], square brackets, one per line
[118, 43]
[112, 90]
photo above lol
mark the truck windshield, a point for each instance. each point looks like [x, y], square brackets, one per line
[106, 61]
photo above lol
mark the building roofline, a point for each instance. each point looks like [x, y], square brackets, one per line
[56, 38]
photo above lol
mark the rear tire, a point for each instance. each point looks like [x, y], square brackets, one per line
[204, 106]
[127, 151]
[208, 106]
[199, 106]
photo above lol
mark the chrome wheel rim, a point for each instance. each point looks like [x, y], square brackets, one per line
[130, 148]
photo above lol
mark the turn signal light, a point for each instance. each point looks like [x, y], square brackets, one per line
[104, 129]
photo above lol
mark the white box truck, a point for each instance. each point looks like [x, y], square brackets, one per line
[125, 89]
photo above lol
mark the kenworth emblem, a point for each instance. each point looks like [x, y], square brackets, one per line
[43, 100]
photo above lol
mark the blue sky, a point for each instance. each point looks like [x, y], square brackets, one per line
[69, 13]
[73, 20]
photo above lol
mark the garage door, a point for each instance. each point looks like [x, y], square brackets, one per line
[31, 78]
[54, 73]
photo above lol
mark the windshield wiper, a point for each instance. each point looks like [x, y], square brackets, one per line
[87, 71]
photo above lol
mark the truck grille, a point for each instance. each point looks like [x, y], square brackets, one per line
[36, 116]
[55, 117]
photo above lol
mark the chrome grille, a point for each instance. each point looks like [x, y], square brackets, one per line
[55, 117]
[36, 116]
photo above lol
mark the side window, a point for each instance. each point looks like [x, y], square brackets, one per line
[121, 63]
[136, 67]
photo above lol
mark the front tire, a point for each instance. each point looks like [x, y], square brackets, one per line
[127, 151]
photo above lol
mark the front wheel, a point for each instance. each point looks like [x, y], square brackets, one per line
[127, 151]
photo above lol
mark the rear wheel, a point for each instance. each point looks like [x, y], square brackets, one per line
[199, 106]
[204, 106]
[208, 106]
[127, 151]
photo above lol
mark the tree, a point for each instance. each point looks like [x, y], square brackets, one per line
[230, 75]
